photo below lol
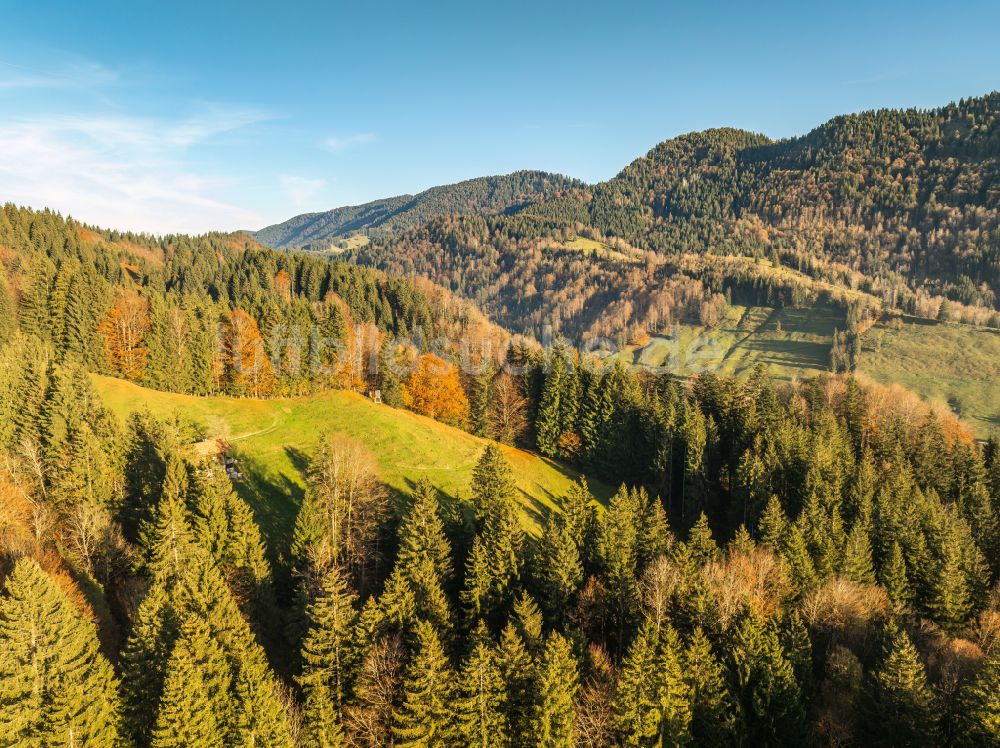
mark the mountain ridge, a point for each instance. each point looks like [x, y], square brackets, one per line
[487, 195]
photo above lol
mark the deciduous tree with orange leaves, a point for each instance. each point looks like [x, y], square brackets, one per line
[248, 369]
[434, 389]
[124, 330]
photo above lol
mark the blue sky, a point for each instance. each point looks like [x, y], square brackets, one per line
[187, 116]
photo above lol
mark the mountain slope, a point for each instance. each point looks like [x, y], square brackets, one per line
[481, 196]
[896, 210]
[275, 438]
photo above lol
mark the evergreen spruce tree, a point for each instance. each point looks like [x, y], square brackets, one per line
[655, 537]
[559, 571]
[494, 497]
[517, 667]
[899, 707]
[479, 705]
[773, 526]
[800, 562]
[426, 717]
[557, 681]
[766, 686]
[548, 422]
[168, 540]
[654, 698]
[196, 708]
[527, 619]
[713, 713]
[327, 661]
[422, 534]
[261, 714]
[950, 600]
[144, 661]
[894, 580]
[476, 594]
[618, 552]
[56, 688]
[581, 521]
[8, 310]
[979, 706]
[480, 403]
[858, 556]
[701, 543]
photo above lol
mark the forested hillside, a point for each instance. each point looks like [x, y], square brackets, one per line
[209, 314]
[902, 207]
[255, 559]
[483, 196]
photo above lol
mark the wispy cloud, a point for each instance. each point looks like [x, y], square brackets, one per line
[342, 143]
[122, 172]
[76, 75]
[301, 190]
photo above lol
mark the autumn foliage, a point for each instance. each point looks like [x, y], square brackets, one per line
[246, 367]
[434, 389]
[124, 330]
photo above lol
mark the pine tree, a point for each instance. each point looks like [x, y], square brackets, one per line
[548, 424]
[479, 705]
[858, 556]
[422, 534]
[893, 578]
[426, 716]
[196, 707]
[713, 713]
[559, 572]
[768, 692]
[327, 661]
[653, 705]
[979, 706]
[701, 543]
[899, 707]
[553, 722]
[56, 688]
[517, 667]
[261, 716]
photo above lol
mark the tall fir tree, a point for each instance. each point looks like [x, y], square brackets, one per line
[899, 708]
[196, 708]
[426, 716]
[56, 688]
[557, 682]
[327, 662]
[479, 703]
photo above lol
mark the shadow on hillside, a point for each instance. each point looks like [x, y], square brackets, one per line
[791, 353]
[274, 498]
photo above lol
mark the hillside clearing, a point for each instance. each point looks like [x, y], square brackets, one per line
[274, 440]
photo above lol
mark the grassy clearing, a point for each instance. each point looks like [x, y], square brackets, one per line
[275, 438]
[957, 366]
[788, 343]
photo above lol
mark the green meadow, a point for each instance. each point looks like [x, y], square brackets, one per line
[957, 366]
[274, 439]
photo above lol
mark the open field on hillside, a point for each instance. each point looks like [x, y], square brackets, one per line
[275, 438]
[957, 366]
[788, 343]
